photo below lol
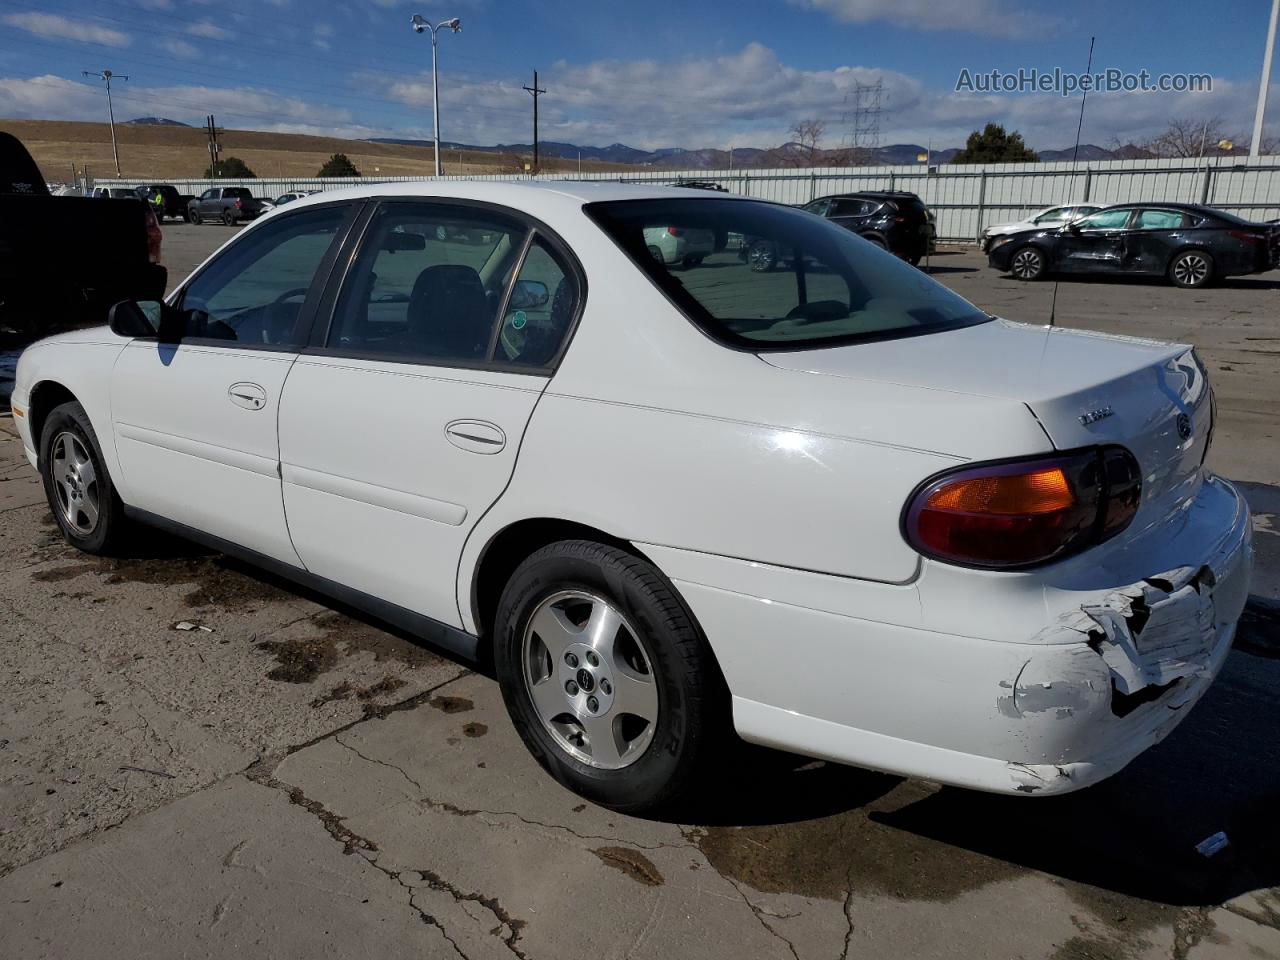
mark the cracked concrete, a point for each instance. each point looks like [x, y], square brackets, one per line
[300, 784]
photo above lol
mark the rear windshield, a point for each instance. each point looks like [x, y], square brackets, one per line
[764, 276]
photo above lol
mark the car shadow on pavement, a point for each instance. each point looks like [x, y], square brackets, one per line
[1136, 833]
[1230, 283]
[933, 268]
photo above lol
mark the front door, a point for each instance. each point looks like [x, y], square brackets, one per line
[1094, 244]
[400, 427]
[195, 420]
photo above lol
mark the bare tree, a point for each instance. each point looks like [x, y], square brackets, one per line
[805, 137]
[1187, 137]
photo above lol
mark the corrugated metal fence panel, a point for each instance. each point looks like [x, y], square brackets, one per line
[964, 198]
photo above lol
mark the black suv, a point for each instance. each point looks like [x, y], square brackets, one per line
[895, 220]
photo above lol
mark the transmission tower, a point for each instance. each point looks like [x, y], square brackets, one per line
[861, 121]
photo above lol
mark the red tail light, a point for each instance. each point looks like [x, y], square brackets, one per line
[1009, 515]
[154, 236]
[237, 204]
[674, 231]
[1247, 237]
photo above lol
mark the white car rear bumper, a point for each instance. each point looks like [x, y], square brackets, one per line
[1087, 692]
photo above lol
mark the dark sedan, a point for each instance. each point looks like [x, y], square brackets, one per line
[1191, 245]
[895, 220]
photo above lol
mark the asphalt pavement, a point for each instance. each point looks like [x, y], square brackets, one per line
[197, 759]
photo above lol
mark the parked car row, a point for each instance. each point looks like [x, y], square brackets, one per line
[229, 205]
[1191, 245]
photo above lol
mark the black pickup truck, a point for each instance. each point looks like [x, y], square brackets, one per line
[65, 260]
[228, 204]
[175, 203]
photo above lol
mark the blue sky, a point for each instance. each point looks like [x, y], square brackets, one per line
[691, 74]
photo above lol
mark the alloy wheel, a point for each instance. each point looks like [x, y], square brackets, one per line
[590, 679]
[761, 256]
[1191, 270]
[75, 483]
[1027, 264]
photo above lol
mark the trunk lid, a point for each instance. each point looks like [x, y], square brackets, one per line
[1084, 388]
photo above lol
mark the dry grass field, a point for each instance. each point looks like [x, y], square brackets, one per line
[162, 152]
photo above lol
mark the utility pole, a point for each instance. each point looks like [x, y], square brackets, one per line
[212, 131]
[536, 92]
[107, 75]
[1256, 146]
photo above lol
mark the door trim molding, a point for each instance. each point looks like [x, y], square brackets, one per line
[225, 456]
[458, 642]
[413, 504]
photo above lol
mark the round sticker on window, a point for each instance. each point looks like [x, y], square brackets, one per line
[518, 320]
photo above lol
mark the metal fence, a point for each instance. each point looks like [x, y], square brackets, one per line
[965, 198]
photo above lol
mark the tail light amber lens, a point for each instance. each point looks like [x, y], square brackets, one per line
[1019, 514]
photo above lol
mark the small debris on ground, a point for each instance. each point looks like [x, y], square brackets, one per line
[188, 625]
[1214, 844]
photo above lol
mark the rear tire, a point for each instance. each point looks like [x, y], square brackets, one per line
[81, 494]
[1027, 264]
[662, 708]
[228, 218]
[1191, 269]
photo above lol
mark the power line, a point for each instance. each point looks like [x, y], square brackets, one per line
[536, 92]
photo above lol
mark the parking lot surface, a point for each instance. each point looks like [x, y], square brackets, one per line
[196, 759]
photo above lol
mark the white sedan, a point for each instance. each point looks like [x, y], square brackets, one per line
[833, 507]
[1054, 216]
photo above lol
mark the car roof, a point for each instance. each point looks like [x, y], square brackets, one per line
[522, 194]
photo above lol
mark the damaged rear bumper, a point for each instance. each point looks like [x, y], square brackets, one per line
[1125, 644]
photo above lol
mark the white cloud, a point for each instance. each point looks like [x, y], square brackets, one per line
[988, 17]
[209, 29]
[179, 48]
[63, 28]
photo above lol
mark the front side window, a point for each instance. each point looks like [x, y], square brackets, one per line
[1105, 220]
[786, 281]
[428, 283]
[254, 291]
[208, 194]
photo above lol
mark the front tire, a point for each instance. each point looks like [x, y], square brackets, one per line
[81, 494]
[1191, 269]
[1027, 264]
[606, 677]
[194, 217]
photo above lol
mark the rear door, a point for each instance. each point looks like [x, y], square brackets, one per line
[1154, 238]
[195, 420]
[400, 424]
[1094, 244]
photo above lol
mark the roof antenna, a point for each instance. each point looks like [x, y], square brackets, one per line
[1053, 304]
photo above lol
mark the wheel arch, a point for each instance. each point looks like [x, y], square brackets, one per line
[507, 548]
[44, 397]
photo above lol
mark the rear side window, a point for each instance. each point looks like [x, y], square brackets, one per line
[764, 276]
[1160, 220]
[237, 193]
[428, 283]
[540, 310]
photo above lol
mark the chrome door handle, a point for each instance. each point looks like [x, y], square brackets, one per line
[476, 436]
[247, 395]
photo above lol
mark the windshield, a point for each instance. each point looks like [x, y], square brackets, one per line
[764, 276]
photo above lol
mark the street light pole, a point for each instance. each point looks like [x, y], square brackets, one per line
[111, 113]
[1255, 148]
[419, 25]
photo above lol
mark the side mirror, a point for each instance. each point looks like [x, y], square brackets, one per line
[1072, 227]
[135, 318]
[528, 294]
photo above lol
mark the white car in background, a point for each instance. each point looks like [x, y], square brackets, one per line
[1055, 216]
[833, 506]
[676, 244]
[291, 196]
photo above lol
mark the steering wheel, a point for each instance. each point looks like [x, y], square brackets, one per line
[295, 292]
